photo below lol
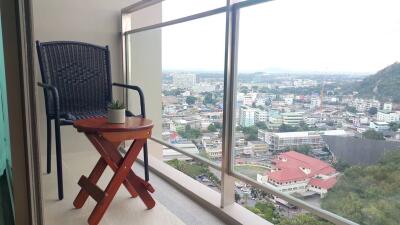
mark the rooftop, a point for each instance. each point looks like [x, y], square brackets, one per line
[294, 166]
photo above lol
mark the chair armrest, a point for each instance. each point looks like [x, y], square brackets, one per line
[54, 92]
[141, 96]
[143, 112]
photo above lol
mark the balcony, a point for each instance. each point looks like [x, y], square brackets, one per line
[216, 141]
[172, 207]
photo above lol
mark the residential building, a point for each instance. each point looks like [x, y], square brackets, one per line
[379, 126]
[387, 116]
[292, 118]
[249, 99]
[363, 105]
[246, 116]
[212, 147]
[387, 106]
[258, 146]
[260, 116]
[274, 121]
[184, 80]
[315, 102]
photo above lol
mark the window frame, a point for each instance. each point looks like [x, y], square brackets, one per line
[228, 174]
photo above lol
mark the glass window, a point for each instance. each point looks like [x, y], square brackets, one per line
[172, 9]
[317, 104]
[181, 69]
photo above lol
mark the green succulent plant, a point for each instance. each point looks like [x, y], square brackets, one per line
[116, 105]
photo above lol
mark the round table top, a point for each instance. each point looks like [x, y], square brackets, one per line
[101, 124]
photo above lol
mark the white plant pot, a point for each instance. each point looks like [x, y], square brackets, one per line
[116, 115]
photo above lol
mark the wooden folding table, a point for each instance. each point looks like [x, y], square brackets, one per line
[107, 138]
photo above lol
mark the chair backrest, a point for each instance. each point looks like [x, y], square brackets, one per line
[81, 74]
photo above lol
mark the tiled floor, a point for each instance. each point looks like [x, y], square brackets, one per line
[172, 206]
[123, 209]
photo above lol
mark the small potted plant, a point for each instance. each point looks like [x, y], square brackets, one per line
[116, 112]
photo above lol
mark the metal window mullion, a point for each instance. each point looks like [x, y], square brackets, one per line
[128, 79]
[140, 5]
[179, 20]
[227, 181]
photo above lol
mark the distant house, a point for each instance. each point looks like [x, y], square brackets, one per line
[258, 146]
[379, 126]
[169, 154]
[293, 172]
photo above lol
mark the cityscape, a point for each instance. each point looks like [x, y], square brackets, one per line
[297, 133]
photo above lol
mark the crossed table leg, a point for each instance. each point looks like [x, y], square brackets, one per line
[110, 156]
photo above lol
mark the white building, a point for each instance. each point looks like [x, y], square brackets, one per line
[379, 126]
[203, 87]
[363, 105]
[387, 116]
[260, 101]
[249, 99]
[246, 116]
[258, 146]
[260, 115]
[169, 154]
[184, 80]
[287, 140]
[274, 121]
[292, 118]
[288, 100]
[212, 147]
[315, 102]
[387, 106]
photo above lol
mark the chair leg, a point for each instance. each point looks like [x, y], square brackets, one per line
[59, 160]
[48, 146]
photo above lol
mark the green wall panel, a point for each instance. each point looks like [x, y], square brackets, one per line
[5, 154]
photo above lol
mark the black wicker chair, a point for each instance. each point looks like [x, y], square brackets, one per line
[77, 85]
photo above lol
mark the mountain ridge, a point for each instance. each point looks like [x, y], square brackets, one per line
[384, 85]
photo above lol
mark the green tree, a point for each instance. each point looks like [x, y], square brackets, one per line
[368, 195]
[190, 100]
[190, 133]
[173, 92]
[341, 165]
[303, 219]
[261, 125]
[267, 211]
[372, 134]
[372, 111]
[251, 133]
[394, 126]
[209, 99]
[303, 149]
[218, 125]
[237, 197]
[287, 128]
[244, 89]
[351, 109]
[212, 128]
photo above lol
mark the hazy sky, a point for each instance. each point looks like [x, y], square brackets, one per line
[293, 35]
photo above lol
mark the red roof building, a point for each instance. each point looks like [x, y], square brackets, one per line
[295, 172]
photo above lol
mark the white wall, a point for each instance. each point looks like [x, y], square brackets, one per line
[145, 68]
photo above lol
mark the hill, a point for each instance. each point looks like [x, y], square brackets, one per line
[384, 85]
[368, 195]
